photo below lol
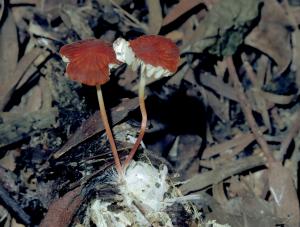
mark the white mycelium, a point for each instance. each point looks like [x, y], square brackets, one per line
[124, 53]
[147, 184]
[144, 191]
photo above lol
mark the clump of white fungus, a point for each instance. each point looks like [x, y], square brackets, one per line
[144, 191]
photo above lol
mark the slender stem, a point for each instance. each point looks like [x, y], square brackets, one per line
[108, 131]
[144, 120]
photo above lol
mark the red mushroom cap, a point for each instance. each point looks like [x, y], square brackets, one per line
[157, 51]
[89, 60]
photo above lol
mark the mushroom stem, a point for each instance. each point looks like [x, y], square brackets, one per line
[108, 131]
[144, 120]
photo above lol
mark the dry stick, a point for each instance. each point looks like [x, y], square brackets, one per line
[295, 127]
[8, 202]
[246, 107]
[144, 119]
[108, 131]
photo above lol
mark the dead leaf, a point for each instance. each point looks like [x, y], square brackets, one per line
[224, 27]
[188, 149]
[9, 160]
[220, 106]
[8, 55]
[18, 126]
[272, 36]
[14, 223]
[155, 16]
[202, 180]
[179, 9]
[215, 83]
[242, 140]
[245, 210]
[76, 19]
[24, 70]
[278, 99]
[94, 125]
[2, 8]
[61, 211]
[284, 194]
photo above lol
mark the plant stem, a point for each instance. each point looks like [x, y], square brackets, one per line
[144, 120]
[108, 131]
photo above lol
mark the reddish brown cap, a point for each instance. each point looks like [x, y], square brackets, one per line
[157, 51]
[89, 60]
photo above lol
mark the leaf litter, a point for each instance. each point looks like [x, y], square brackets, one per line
[226, 124]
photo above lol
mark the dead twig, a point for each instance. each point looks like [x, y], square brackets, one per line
[128, 18]
[8, 202]
[203, 180]
[294, 130]
[246, 107]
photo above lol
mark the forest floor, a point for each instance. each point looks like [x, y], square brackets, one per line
[226, 124]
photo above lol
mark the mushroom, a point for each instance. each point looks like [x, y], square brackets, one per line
[89, 62]
[155, 56]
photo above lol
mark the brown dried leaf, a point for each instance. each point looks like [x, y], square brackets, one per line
[9, 160]
[75, 18]
[8, 55]
[245, 210]
[29, 65]
[188, 149]
[181, 8]
[220, 106]
[284, 194]
[18, 126]
[25, 69]
[29, 2]
[278, 99]
[219, 193]
[94, 125]
[272, 36]
[155, 16]
[51, 5]
[61, 211]
[202, 180]
[215, 83]
[2, 7]
[240, 140]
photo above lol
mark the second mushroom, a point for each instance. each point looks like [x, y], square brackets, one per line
[155, 56]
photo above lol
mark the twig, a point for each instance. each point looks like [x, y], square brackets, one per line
[295, 127]
[11, 205]
[246, 107]
[203, 180]
[131, 20]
